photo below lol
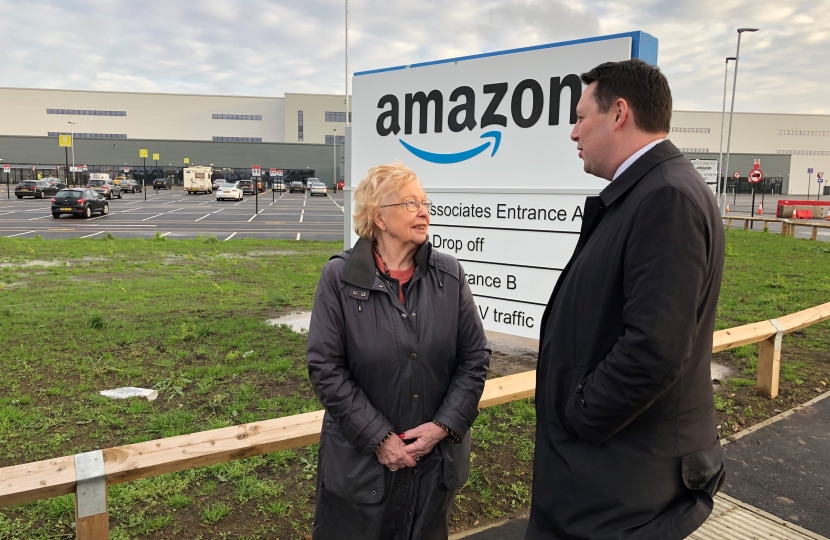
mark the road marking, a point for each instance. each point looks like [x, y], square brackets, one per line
[201, 218]
[131, 209]
[176, 210]
[93, 234]
[151, 217]
[252, 218]
[4, 213]
[20, 234]
[218, 210]
[301, 216]
[165, 234]
[229, 237]
[240, 202]
[298, 236]
[41, 217]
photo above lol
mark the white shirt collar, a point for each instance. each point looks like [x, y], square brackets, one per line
[635, 156]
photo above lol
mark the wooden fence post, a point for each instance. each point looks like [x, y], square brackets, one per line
[815, 233]
[785, 228]
[746, 224]
[91, 516]
[769, 363]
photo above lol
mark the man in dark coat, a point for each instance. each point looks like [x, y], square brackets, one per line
[626, 444]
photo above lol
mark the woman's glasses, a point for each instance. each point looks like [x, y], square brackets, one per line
[412, 205]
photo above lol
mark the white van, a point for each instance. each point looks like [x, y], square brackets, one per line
[99, 176]
[197, 179]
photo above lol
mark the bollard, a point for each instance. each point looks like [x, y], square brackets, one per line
[769, 363]
[814, 234]
[91, 516]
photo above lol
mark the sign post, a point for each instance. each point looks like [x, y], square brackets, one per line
[66, 142]
[489, 137]
[255, 173]
[755, 176]
[820, 180]
[7, 169]
[809, 181]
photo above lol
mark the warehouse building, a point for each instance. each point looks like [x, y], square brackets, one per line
[305, 132]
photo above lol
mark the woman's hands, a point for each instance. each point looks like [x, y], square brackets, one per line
[392, 453]
[426, 436]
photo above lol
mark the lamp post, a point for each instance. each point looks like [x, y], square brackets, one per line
[721, 171]
[72, 139]
[334, 156]
[734, 84]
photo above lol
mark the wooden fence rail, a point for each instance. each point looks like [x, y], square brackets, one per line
[87, 475]
[787, 225]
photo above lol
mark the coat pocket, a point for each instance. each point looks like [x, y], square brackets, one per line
[347, 473]
[456, 467]
[704, 469]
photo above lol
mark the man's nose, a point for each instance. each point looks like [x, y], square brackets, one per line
[575, 133]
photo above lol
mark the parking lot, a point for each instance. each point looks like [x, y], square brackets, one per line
[175, 214]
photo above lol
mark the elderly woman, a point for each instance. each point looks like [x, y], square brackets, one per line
[398, 357]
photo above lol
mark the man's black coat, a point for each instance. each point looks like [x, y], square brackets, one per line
[626, 444]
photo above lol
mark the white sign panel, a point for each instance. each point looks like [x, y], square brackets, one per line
[708, 169]
[488, 136]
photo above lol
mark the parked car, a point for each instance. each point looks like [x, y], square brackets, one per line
[217, 183]
[162, 183]
[341, 184]
[317, 188]
[247, 186]
[229, 191]
[296, 185]
[118, 179]
[79, 202]
[130, 185]
[105, 187]
[55, 185]
[31, 188]
[278, 185]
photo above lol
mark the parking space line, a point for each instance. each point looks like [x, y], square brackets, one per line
[131, 209]
[298, 236]
[301, 216]
[176, 210]
[4, 213]
[93, 234]
[151, 217]
[218, 210]
[229, 237]
[165, 234]
[240, 202]
[20, 234]
[41, 217]
[201, 218]
[252, 218]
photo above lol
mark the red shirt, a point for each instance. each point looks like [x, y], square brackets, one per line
[403, 276]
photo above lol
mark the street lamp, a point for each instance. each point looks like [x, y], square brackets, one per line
[721, 172]
[334, 157]
[72, 138]
[734, 84]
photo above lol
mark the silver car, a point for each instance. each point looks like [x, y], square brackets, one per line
[317, 188]
[107, 188]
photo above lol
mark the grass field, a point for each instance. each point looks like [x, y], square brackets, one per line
[188, 318]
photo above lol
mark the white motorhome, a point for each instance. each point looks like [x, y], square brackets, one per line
[197, 179]
[99, 176]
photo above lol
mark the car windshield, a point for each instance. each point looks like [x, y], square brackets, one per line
[318, 184]
[28, 184]
[97, 182]
[69, 194]
[227, 186]
[244, 182]
[296, 183]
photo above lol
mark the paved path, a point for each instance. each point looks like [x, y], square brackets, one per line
[175, 214]
[777, 487]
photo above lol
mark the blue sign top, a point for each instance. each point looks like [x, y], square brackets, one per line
[643, 46]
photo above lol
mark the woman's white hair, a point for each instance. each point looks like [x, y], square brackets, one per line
[373, 189]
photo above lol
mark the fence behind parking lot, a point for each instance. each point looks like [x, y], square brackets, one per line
[88, 475]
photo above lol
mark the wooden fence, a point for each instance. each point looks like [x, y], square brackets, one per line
[787, 225]
[88, 475]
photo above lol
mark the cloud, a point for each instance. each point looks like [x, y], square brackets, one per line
[261, 47]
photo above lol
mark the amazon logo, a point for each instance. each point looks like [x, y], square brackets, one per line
[463, 115]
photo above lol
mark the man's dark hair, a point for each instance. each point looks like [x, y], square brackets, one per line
[641, 85]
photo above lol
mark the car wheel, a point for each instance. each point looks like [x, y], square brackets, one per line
[87, 212]
[56, 215]
[105, 210]
[109, 196]
[19, 196]
[119, 195]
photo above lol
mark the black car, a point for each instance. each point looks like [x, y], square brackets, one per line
[55, 185]
[247, 186]
[162, 183]
[80, 202]
[296, 185]
[37, 188]
[130, 185]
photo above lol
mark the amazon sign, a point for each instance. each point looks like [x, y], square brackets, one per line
[488, 135]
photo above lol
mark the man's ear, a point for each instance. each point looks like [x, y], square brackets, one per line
[621, 113]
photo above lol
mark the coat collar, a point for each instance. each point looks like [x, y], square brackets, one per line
[629, 178]
[360, 268]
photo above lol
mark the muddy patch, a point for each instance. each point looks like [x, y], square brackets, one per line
[297, 321]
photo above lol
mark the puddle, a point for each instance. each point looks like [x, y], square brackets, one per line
[43, 263]
[299, 321]
[269, 253]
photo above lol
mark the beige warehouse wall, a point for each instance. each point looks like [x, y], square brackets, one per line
[149, 116]
[314, 107]
[799, 176]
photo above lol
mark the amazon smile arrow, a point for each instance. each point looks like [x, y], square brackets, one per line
[456, 157]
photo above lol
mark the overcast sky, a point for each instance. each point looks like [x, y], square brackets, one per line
[269, 47]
